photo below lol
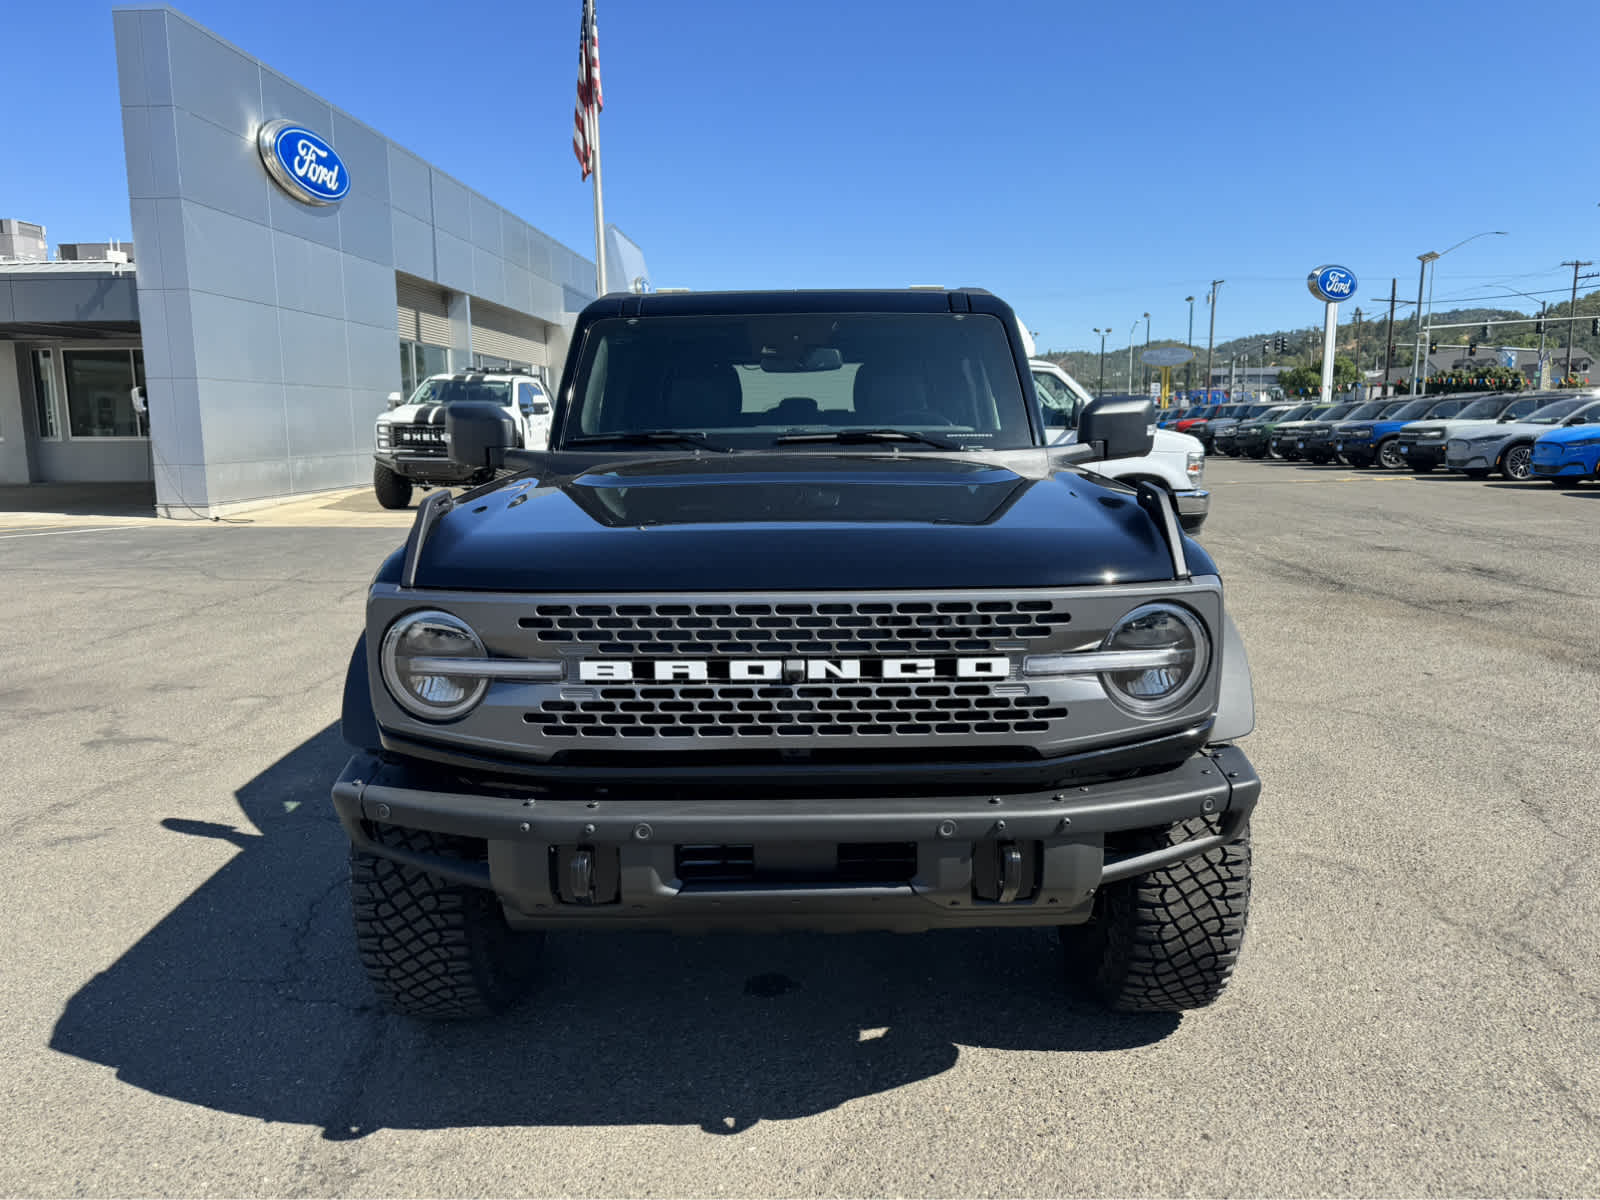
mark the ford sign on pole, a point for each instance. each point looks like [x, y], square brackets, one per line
[1330, 285]
[302, 163]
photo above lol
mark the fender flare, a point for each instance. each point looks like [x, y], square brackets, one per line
[1236, 702]
[357, 724]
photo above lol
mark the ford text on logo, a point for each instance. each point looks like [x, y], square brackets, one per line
[788, 670]
[1332, 284]
[304, 165]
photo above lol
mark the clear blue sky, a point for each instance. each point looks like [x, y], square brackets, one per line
[757, 143]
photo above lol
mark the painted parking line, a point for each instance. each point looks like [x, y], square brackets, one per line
[6, 535]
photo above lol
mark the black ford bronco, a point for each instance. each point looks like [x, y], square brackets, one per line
[799, 623]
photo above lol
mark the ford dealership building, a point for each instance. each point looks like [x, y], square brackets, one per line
[290, 268]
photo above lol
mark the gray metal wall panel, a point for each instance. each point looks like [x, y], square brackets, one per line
[452, 206]
[313, 349]
[365, 153]
[410, 184]
[318, 421]
[369, 293]
[215, 81]
[74, 298]
[6, 307]
[220, 169]
[485, 224]
[290, 101]
[365, 227]
[243, 422]
[311, 276]
[156, 58]
[318, 224]
[126, 35]
[228, 255]
[488, 276]
[235, 339]
[453, 257]
[413, 244]
[514, 240]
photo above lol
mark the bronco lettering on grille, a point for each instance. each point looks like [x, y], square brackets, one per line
[789, 670]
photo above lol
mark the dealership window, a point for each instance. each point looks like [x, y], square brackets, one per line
[418, 361]
[44, 392]
[100, 384]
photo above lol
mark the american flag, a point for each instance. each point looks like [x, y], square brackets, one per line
[586, 117]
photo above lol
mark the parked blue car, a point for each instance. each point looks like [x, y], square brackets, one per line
[1571, 453]
[1375, 441]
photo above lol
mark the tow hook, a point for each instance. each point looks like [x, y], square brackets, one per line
[1005, 872]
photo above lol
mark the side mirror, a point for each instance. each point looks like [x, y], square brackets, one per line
[394, 399]
[478, 434]
[1118, 427]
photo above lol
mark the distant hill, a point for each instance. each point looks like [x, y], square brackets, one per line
[1305, 344]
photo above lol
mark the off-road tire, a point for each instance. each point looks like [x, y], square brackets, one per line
[392, 490]
[1166, 941]
[1389, 456]
[433, 948]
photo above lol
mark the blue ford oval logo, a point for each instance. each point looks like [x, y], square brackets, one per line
[303, 164]
[1332, 284]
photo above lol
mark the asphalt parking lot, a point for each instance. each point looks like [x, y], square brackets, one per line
[1417, 1010]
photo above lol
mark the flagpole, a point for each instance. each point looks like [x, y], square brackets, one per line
[592, 69]
[599, 211]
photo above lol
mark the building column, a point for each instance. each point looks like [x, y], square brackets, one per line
[13, 425]
[459, 310]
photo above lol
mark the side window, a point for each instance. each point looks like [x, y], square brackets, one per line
[1058, 403]
[525, 398]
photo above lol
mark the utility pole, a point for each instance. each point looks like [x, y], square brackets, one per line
[1211, 338]
[1360, 375]
[1572, 313]
[1188, 368]
[1540, 368]
[1388, 355]
[1132, 329]
[1100, 391]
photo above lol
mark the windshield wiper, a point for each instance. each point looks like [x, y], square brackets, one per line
[862, 437]
[648, 437]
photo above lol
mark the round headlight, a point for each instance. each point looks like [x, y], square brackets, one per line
[1148, 691]
[411, 652]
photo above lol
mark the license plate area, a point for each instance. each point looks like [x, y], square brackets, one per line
[794, 864]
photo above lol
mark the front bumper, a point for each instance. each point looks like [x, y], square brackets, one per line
[1564, 468]
[1193, 506]
[619, 861]
[426, 469]
[1422, 454]
[1471, 459]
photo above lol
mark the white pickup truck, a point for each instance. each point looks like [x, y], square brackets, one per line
[411, 449]
[1176, 462]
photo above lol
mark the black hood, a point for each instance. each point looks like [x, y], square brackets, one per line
[765, 522]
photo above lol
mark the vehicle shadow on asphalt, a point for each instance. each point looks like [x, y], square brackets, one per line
[246, 999]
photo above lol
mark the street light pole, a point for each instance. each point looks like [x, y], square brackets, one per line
[1132, 329]
[1211, 337]
[1188, 369]
[1102, 332]
[1572, 313]
[1420, 345]
[1145, 374]
[1425, 259]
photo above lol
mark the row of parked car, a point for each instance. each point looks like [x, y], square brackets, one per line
[1551, 435]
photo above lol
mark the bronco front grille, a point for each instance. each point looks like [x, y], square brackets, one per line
[822, 628]
[806, 710]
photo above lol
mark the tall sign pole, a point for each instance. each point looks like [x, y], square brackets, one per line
[1388, 354]
[586, 133]
[1330, 285]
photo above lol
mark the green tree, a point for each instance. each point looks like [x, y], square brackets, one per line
[1307, 381]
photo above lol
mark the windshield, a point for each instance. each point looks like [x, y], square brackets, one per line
[1363, 412]
[1445, 408]
[1550, 414]
[1292, 414]
[453, 391]
[1410, 410]
[751, 379]
[1482, 410]
[1338, 411]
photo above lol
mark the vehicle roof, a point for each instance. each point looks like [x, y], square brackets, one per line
[906, 300]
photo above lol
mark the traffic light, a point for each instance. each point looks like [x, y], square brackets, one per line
[1433, 347]
[1483, 333]
[1538, 326]
[1472, 349]
[1594, 326]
